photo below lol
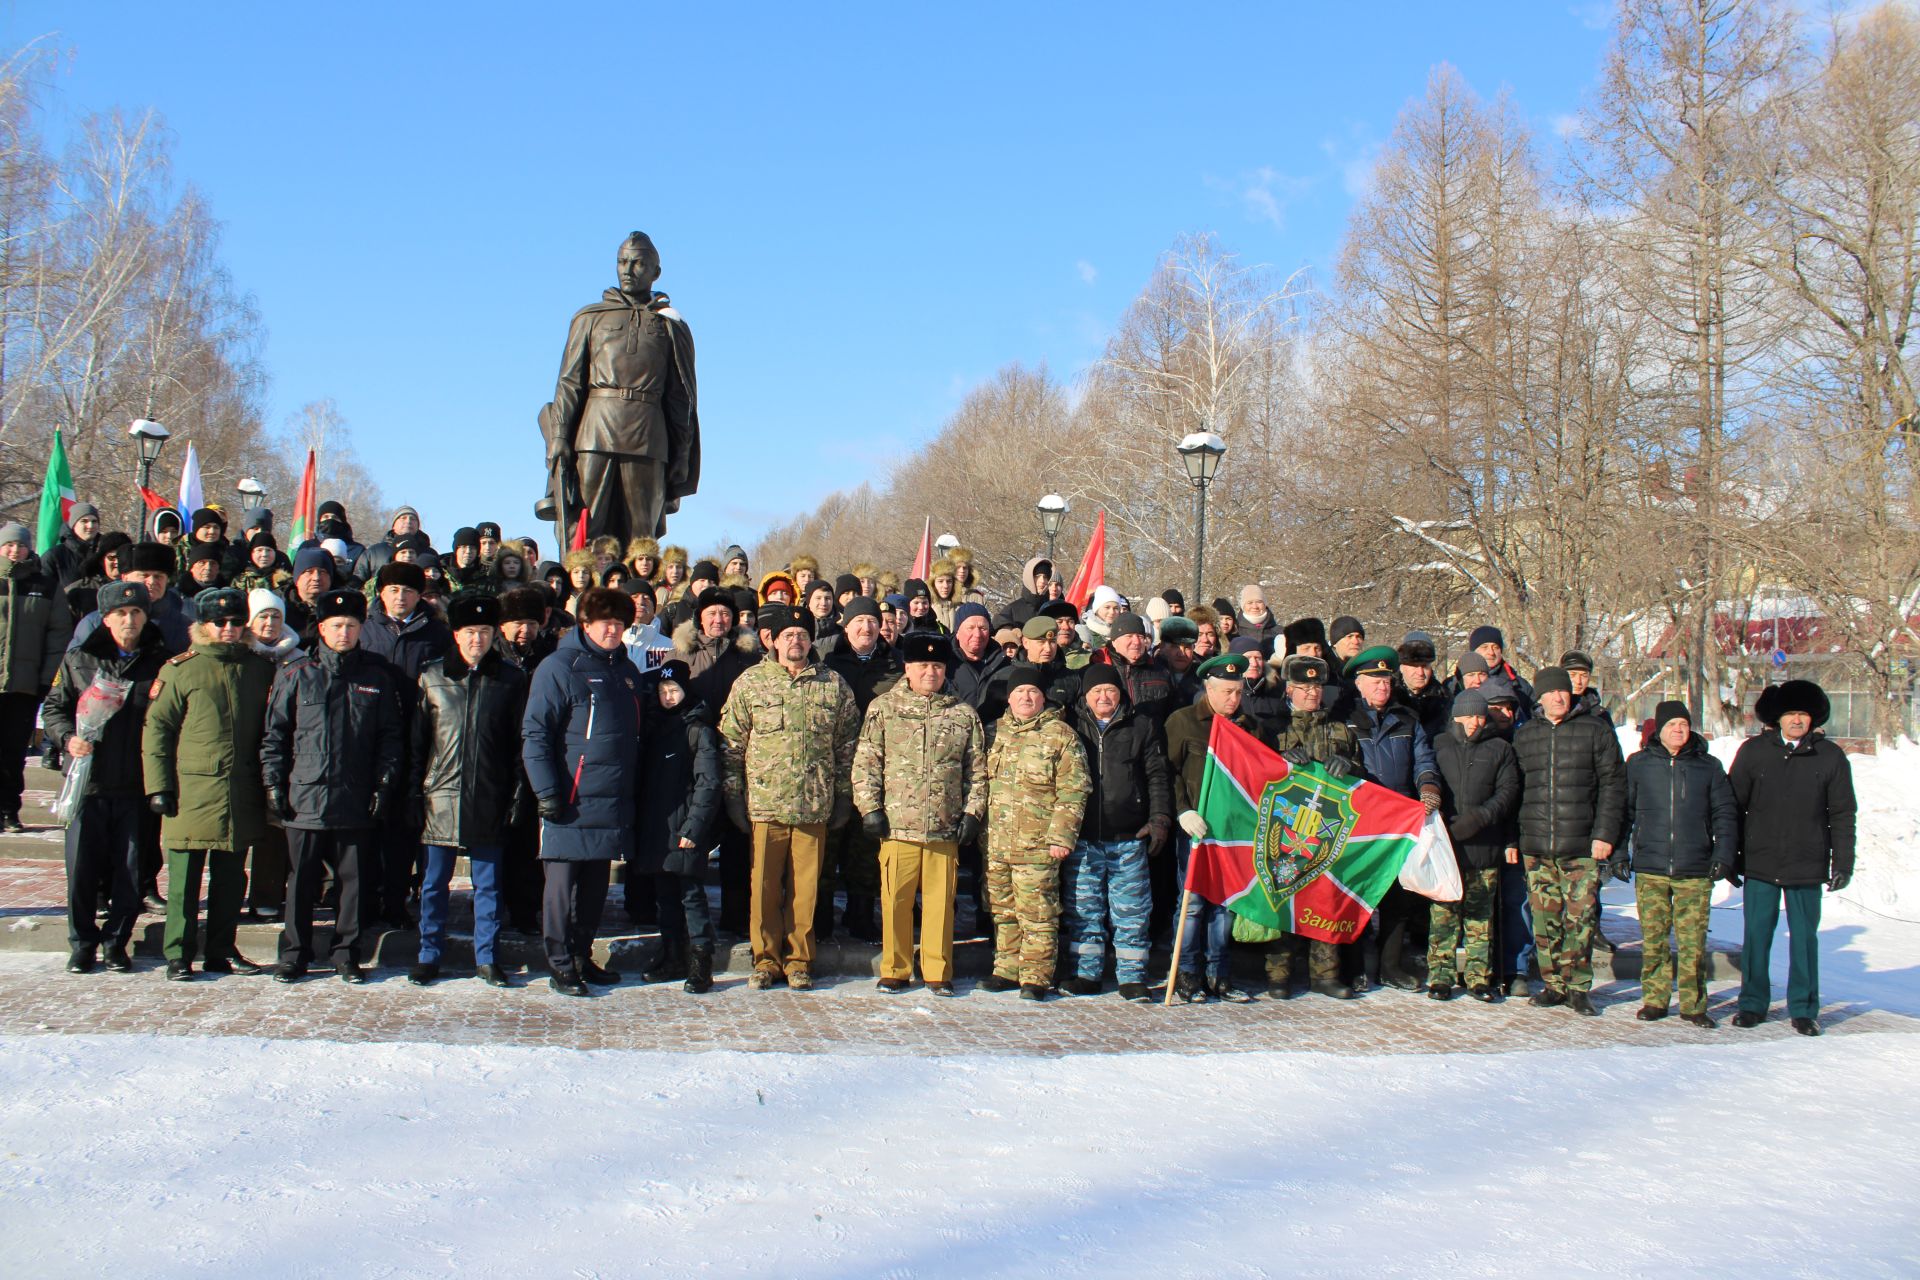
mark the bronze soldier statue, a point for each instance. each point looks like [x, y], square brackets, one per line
[623, 429]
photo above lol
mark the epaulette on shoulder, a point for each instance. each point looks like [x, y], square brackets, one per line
[179, 658]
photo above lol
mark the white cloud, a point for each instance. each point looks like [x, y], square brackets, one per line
[1594, 15]
[1263, 193]
[1565, 126]
[1088, 272]
[1354, 156]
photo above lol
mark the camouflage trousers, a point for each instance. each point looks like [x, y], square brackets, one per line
[1680, 907]
[1106, 881]
[1026, 920]
[1323, 960]
[1562, 892]
[1468, 923]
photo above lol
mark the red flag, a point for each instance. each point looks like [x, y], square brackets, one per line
[923, 563]
[153, 500]
[303, 506]
[1093, 567]
[580, 533]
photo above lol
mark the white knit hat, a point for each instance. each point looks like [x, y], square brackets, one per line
[259, 600]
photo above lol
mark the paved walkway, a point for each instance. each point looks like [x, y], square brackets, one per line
[844, 1017]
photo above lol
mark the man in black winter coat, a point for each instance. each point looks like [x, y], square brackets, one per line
[1685, 830]
[1480, 794]
[331, 760]
[1795, 792]
[1128, 820]
[465, 783]
[103, 840]
[403, 630]
[1571, 813]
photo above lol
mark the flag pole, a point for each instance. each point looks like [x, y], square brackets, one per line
[1186, 887]
[1179, 936]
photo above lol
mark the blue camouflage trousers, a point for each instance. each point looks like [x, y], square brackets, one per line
[1102, 881]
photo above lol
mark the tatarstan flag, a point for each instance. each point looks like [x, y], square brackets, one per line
[1295, 849]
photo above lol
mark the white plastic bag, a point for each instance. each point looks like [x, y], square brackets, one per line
[1432, 871]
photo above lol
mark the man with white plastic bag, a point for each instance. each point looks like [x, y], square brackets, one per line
[96, 710]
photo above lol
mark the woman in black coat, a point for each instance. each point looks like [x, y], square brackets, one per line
[681, 798]
[1479, 797]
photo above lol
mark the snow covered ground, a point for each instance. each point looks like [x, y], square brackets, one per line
[169, 1157]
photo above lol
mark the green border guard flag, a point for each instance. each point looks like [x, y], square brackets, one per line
[1295, 849]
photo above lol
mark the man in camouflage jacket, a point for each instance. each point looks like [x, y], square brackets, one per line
[1307, 734]
[790, 727]
[920, 784]
[1036, 795]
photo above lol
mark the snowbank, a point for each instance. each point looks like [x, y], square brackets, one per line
[176, 1157]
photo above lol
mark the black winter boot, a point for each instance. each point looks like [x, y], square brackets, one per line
[699, 971]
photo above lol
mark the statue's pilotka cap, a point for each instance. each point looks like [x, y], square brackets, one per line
[1381, 660]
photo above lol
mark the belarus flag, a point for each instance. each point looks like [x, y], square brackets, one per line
[1295, 849]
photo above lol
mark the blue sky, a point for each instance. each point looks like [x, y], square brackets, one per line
[863, 209]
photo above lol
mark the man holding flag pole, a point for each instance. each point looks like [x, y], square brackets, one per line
[1289, 848]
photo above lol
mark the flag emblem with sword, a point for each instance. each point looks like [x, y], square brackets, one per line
[1303, 829]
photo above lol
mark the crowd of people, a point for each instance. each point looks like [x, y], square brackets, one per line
[331, 730]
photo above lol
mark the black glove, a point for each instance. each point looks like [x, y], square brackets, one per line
[875, 824]
[1621, 866]
[1841, 879]
[521, 811]
[1721, 871]
[736, 814]
[968, 832]
[164, 803]
[553, 808]
[277, 803]
[378, 806]
[841, 813]
[1336, 768]
[1298, 757]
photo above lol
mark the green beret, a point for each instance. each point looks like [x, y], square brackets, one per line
[1225, 666]
[1380, 660]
